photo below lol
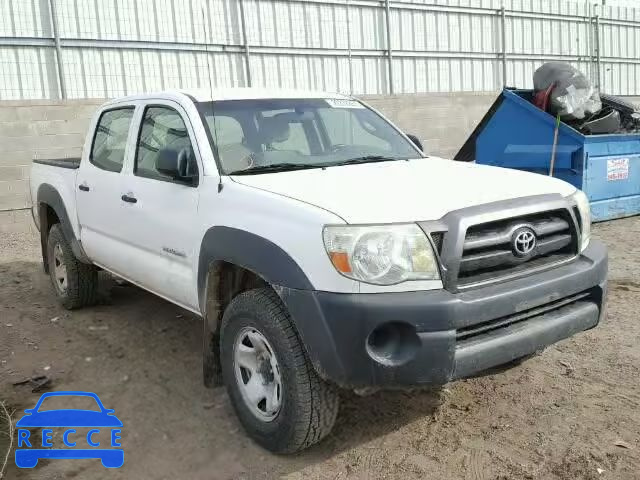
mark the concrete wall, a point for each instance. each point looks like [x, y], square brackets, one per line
[37, 129]
[442, 121]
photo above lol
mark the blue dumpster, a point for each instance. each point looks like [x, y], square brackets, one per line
[517, 134]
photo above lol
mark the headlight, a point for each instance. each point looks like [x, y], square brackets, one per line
[585, 217]
[382, 255]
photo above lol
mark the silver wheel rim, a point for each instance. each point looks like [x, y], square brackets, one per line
[257, 374]
[60, 268]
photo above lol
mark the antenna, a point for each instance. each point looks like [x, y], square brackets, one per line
[214, 147]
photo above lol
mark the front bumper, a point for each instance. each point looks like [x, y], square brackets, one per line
[458, 335]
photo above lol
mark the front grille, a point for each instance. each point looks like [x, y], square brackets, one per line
[473, 331]
[489, 252]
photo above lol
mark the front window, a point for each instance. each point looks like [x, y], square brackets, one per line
[253, 136]
[163, 132]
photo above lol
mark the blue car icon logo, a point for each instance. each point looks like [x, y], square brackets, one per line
[28, 450]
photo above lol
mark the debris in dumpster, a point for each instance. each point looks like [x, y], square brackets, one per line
[562, 90]
[629, 113]
[604, 122]
[616, 116]
[624, 107]
[541, 98]
[573, 96]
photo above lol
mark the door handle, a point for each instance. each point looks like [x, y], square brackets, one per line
[129, 199]
[84, 187]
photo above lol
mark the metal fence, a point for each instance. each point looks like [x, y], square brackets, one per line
[107, 48]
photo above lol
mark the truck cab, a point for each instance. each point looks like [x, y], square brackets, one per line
[321, 247]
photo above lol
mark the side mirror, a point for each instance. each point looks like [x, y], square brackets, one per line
[415, 141]
[175, 165]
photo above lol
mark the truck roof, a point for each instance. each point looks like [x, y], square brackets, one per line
[238, 93]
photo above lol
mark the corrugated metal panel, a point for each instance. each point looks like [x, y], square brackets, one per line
[115, 47]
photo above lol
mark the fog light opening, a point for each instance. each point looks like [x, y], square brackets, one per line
[393, 344]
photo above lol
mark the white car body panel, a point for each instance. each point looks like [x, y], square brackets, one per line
[404, 191]
[64, 181]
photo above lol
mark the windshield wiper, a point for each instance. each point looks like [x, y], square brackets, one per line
[364, 159]
[286, 167]
[275, 167]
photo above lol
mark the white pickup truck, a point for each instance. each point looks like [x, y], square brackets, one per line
[321, 247]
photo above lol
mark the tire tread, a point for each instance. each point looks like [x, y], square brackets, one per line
[82, 278]
[318, 401]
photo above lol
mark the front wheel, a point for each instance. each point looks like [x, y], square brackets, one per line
[279, 398]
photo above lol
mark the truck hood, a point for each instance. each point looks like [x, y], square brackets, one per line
[404, 191]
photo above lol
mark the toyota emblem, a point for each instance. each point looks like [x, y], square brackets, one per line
[524, 242]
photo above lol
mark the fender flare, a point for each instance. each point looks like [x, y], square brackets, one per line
[48, 195]
[271, 263]
[251, 252]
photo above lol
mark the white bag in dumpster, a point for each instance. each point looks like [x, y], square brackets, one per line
[573, 96]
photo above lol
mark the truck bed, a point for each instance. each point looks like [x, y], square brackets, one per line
[68, 162]
[57, 176]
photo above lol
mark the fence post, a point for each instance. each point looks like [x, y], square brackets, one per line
[56, 40]
[503, 44]
[387, 17]
[589, 24]
[349, 48]
[599, 77]
[245, 41]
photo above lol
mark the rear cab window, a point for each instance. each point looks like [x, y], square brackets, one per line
[110, 139]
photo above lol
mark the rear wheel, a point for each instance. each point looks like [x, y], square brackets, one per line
[279, 398]
[75, 283]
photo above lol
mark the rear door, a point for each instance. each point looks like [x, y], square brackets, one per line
[98, 184]
[160, 218]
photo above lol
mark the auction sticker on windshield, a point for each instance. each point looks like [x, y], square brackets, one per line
[88, 431]
[343, 103]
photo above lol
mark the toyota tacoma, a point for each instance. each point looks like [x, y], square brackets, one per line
[321, 247]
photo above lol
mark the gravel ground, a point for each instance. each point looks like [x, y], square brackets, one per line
[570, 413]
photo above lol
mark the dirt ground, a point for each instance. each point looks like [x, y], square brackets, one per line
[556, 416]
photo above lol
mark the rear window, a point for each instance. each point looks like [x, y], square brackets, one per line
[110, 140]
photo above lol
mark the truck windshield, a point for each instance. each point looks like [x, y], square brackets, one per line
[267, 135]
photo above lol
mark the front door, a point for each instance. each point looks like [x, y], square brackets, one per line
[160, 220]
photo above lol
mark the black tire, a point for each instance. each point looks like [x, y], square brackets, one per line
[81, 288]
[309, 404]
